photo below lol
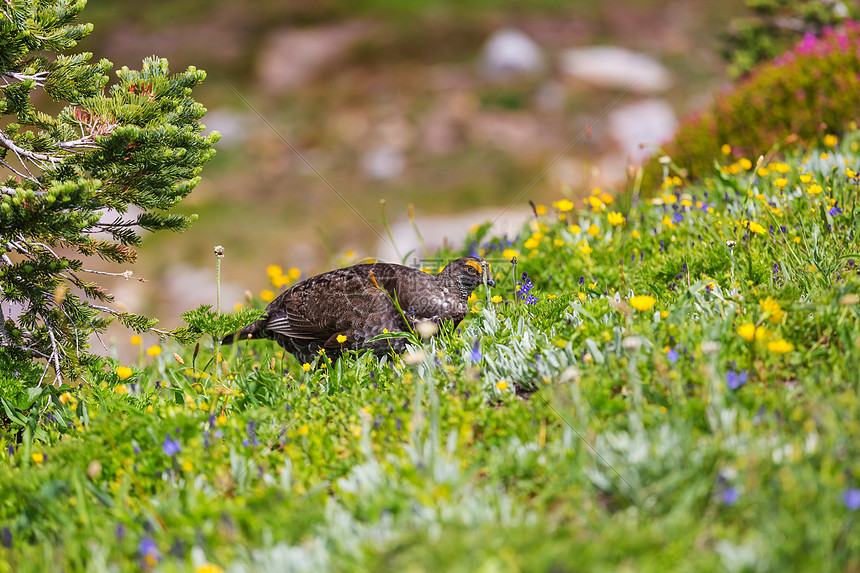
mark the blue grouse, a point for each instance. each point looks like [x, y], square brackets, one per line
[357, 302]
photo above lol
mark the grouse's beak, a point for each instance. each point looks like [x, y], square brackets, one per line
[490, 281]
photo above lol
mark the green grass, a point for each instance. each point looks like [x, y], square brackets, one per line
[576, 433]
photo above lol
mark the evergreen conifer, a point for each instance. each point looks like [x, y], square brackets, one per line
[81, 184]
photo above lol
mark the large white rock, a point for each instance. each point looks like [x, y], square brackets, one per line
[510, 53]
[640, 127]
[612, 67]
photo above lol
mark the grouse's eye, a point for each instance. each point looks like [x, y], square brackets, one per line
[474, 268]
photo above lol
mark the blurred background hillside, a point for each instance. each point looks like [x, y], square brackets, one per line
[457, 107]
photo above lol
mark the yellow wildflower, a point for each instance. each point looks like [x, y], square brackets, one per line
[582, 296]
[558, 243]
[304, 430]
[745, 163]
[540, 209]
[267, 295]
[294, 273]
[496, 299]
[306, 367]
[586, 250]
[770, 306]
[635, 234]
[642, 302]
[756, 228]
[780, 346]
[595, 202]
[781, 182]
[564, 205]
[575, 229]
[341, 338]
[136, 339]
[805, 178]
[593, 230]
[815, 189]
[510, 254]
[615, 218]
[726, 149]
[747, 331]
[668, 222]
[123, 372]
[763, 171]
[531, 243]
[607, 198]
[38, 457]
[502, 385]
[830, 140]
[274, 271]
[153, 350]
[208, 568]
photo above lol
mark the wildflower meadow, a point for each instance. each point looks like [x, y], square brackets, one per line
[658, 382]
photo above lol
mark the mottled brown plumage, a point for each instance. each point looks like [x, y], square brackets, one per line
[356, 302]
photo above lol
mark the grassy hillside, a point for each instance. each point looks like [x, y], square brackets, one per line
[677, 391]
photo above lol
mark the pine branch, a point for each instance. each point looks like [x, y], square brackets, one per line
[31, 155]
[38, 79]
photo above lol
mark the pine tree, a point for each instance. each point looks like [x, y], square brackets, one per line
[83, 183]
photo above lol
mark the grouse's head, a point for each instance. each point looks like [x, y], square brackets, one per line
[469, 273]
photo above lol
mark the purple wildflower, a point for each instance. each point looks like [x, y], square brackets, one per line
[730, 495]
[171, 446]
[851, 497]
[252, 435]
[524, 292]
[148, 551]
[476, 351]
[672, 355]
[735, 380]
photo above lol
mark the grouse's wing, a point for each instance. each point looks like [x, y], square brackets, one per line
[326, 305]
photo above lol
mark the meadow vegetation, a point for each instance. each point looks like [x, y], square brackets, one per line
[665, 378]
[662, 383]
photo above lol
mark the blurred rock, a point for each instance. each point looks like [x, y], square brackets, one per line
[383, 163]
[233, 127]
[550, 97]
[291, 58]
[521, 134]
[444, 128]
[511, 53]
[615, 68]
[640, 127]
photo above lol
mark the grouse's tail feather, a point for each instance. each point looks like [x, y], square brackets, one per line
[250, 332]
